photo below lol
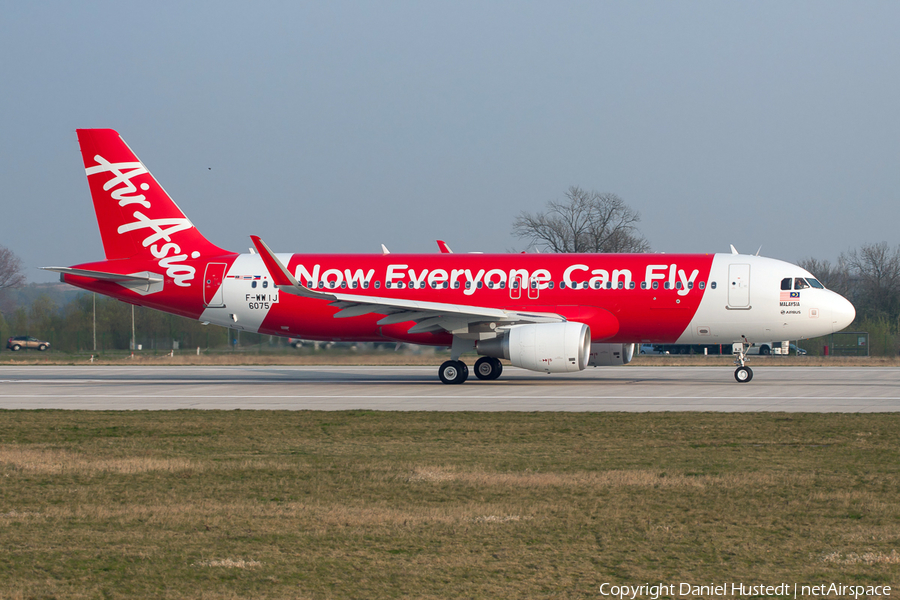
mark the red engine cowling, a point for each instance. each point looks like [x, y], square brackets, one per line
[547, 347]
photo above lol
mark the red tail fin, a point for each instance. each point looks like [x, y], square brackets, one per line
[137, 217]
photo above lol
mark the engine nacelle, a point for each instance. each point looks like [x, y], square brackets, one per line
[548, 347]
[611, 355]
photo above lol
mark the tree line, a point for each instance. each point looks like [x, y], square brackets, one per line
[582, 221]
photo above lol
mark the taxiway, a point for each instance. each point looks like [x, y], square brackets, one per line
[629, 389]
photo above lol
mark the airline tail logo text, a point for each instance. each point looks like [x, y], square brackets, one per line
[123, 190]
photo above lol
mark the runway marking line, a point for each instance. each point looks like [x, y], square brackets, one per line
[460, 397]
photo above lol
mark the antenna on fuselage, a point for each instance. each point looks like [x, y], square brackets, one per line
[384, 249]
[733, 249]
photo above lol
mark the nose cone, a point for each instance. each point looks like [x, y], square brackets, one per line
[842, 312]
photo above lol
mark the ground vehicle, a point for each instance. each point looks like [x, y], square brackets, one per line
[24, 342]
[763, 348]
[653, 349]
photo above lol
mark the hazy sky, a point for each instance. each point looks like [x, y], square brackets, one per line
[338, 126]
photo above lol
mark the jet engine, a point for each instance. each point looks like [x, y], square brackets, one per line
[548, 347]
[611, 355]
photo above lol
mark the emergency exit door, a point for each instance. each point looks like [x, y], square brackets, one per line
[739, 286]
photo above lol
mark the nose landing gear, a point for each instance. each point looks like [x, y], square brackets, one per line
[743, 373]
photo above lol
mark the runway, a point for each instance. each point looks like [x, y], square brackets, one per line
[629, 389]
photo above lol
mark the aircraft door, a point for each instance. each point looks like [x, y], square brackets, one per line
[534, 290]
[212, 285]
[739, 286]
[515, 287]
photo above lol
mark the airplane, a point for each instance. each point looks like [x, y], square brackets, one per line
[551, 313]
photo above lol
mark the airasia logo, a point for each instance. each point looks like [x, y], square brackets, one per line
[123, 190]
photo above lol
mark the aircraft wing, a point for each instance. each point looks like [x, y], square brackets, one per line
[428, 316]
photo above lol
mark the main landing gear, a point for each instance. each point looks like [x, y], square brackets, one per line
[743, 373]
[488, 367]
[456, 371]
[453, 371]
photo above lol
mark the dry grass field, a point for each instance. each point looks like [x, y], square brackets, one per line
[358, 504]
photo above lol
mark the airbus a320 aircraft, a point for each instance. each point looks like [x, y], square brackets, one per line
[552, 313]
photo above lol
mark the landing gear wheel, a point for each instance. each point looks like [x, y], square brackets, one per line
[743, 374]
[453, 371]
[488, 368]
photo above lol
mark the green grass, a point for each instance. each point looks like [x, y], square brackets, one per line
[365, 504]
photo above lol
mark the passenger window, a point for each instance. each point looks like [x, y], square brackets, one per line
[515, 284]
[643, 285]
[468, 285]
[712, 285]
[702, 285]
[253, 284]
[265, 284]
[786, 283]
[655, 285]
[621, 285]
[480, 285]
[377, 284]
[455, 285]
[365, 285]
[550, 285]
[355, 285]
[666, 285]
[446, 285]
[631, 286]
[800, 284]
[677, 285]
[609, 285]
[502, 285]
[596, 285]
[690, 285]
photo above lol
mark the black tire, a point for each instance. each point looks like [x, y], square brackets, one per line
[42, 347]
[16, 347]
[488, 368]
[765, 350]
[743, 374]
[453, 372]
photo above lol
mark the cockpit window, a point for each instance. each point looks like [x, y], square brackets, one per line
[800, 283]
[815, 283]
[786, 283]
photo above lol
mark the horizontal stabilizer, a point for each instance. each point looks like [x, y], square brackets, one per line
[117, 277]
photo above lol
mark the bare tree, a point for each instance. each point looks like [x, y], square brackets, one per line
[583, 222]
[10, 269]
[835, 277]
[876, 270]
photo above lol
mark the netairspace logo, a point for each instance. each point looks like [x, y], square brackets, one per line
[741, 590]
